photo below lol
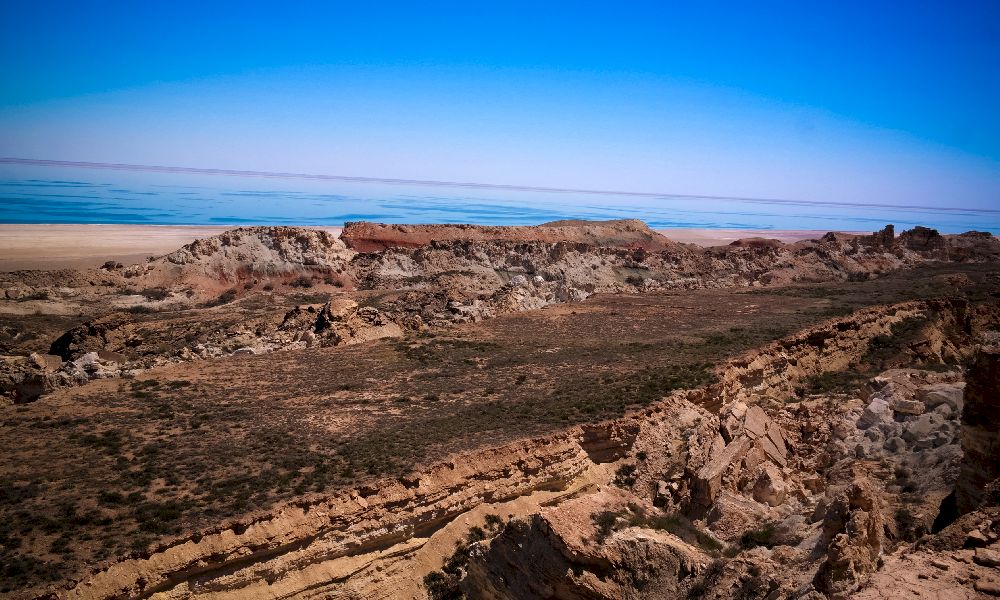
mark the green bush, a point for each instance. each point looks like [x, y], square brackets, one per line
[758, 537]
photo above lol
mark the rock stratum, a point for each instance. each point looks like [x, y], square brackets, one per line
[853, 457]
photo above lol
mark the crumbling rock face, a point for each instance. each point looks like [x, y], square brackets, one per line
[980, 429]
[262, 251]
[559, 553]
[778, 369]
[624, 256]
[113, 330]
[884, 239]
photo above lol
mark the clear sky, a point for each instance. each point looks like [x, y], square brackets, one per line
[835, 101]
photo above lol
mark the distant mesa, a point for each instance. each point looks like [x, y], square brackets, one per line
[365, 236]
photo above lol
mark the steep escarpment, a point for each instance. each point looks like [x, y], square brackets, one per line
[354, 471]
[644, 506]
[260, 251]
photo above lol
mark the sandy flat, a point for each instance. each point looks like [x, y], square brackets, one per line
[86, 246]
[720, 237]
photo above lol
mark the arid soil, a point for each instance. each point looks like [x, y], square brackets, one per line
[576, 410]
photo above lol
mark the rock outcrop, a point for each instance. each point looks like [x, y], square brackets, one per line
[852, 530]
[250, 251]
[980, 429]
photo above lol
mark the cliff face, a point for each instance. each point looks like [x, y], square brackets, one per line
[980, 430]
[260, 251]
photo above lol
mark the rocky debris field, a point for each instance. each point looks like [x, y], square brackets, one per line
[575, 410]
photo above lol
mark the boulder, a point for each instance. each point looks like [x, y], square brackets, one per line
[770, 487]
[46, 362]
[906, 407]
[987, 557]
[519, 281]
[756, 421]
[735, 512]
[938, 394]
[921, 427]
[731, 423]
[707, 481]
[109, 356]
[875, 413]
[776, 453]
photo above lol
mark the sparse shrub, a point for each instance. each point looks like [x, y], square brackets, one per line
[625, 476]
[493, 523]
[832, 381]
[476, 534]
[441, 586]
[155, 294]
[758, 537]
[605, 522]
[225, 298]
[301, 282]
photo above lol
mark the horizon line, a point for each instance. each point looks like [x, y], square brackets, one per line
[456, 184]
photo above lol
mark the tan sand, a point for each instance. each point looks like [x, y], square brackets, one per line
[721, 237]
[87, 246]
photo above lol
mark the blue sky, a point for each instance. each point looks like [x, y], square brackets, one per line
[847, 101]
